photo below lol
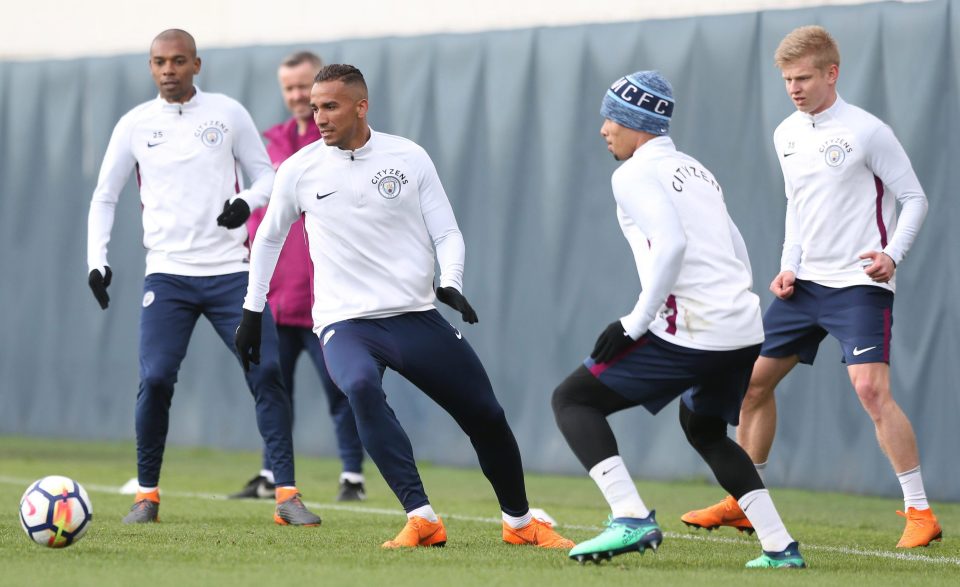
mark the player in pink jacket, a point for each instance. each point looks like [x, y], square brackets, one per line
[291, 289]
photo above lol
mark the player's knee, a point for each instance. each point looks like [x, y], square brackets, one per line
[490, 417]
[360, 387]
[268, 371]
[564, 397]
[873, 396]
[157, 385]
[758, 393]
[703, 431]
[558, 401]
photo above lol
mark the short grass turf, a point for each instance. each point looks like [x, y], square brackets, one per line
[204, 539]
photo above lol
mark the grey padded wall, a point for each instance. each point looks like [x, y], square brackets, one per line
[511, 120]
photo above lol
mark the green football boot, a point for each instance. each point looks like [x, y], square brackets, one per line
[621, 536]
[788, 558]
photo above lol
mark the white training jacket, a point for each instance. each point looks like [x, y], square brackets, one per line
[843, 173]
[373, 217]
[186, 159]
[692, 261]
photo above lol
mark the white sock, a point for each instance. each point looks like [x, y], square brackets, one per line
[143, 489]
[760, 467]
[913, 494]
[759, 509]
[351, 477]
[515, 522]
[268, 474]
[614, 481]
[424, 511]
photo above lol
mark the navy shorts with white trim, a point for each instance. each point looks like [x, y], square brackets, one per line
[653, 372]
[860, 317]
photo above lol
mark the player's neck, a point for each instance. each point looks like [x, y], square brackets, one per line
[185, 98]
[303, 125]
[361, 139]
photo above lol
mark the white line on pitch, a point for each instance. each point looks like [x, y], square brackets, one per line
[902, 556]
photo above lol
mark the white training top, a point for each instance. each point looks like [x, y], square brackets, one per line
[692, 260]
[843, 173]
[373, 217]
[186, 159]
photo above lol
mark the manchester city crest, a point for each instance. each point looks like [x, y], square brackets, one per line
[211, 136]
[389, 187]
[834, 155]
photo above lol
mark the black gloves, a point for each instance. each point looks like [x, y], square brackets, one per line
[247, 339]
[613, 341]
[451, 297]
[99, 284]
[235, 214]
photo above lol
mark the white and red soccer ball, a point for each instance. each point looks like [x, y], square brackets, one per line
[55, 511]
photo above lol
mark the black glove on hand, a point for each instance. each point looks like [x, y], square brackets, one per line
[235, 214]
[613, 341]
[247, 339]
[451, 297]
[99, 284]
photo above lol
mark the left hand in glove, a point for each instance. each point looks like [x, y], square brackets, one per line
[234, 215]
[451, 297]
[613, 341]
[247, 338]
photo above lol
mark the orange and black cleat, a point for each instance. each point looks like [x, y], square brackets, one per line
[536, 533]
[725, 513]
[922, 528]
[419, 532]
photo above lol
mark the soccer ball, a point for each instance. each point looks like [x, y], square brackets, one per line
[55, 511]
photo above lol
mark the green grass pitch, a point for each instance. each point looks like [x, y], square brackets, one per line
[204, 539]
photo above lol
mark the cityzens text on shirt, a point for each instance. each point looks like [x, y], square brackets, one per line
[683, 173]
[839, 141]
[203, 126]
[388, 172]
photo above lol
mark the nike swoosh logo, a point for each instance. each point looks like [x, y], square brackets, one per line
[152, 145]
[319, 197]
[457, 332]
[785, 155]
[608, 470]
[857, 352]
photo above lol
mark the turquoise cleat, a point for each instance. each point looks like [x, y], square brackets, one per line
[789, 558]
[621, 536]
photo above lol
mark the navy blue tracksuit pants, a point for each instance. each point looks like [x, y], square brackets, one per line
[433, 355]
[172, 304]
[293, 341]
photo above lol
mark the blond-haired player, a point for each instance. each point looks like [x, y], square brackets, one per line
[844, 172]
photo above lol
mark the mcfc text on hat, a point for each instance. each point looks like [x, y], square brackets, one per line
[639, 97]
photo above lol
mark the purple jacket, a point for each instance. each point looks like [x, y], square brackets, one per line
[291, 289]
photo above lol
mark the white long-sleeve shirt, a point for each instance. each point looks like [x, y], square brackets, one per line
[693, 264]
[844, 172]
[373, 218]
[186, 157]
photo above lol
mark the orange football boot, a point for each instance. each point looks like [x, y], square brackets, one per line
[536, 533]
[419, 532]
[922, 528]
[725, 513]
